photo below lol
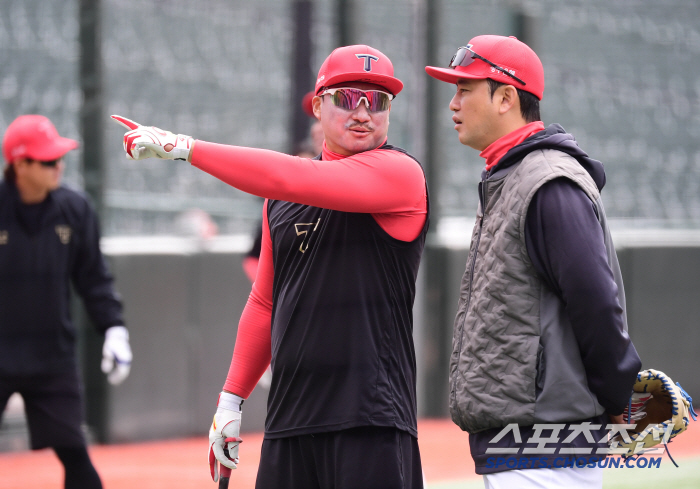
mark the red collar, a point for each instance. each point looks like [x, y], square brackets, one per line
[496, 150]
[328, 155]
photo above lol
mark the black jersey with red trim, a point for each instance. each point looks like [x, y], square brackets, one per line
[342, 322]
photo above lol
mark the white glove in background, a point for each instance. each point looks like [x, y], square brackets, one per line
[143, 142]
[116, 354]
[225, 433]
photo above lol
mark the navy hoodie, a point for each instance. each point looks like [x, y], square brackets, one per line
[561, 223]
[44, 249]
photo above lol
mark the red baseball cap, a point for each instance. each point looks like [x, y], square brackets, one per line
[358, 63]
[506, 52]
[34, 137]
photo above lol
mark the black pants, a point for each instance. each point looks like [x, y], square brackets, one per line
[358, 458]
[53, 405]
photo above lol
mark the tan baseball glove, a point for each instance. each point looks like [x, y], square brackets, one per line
[660, 409]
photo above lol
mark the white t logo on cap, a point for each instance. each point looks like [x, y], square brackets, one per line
[368, 60]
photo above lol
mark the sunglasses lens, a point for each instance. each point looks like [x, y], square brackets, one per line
[378, 101]
[382, 101]
[349, 98]
[50, 163]
[343, 99]
[463, 57]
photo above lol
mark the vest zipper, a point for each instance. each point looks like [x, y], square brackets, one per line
[482, 192]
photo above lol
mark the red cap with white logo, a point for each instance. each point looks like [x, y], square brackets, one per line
[507, 53]
[34, 137]
[358, 63]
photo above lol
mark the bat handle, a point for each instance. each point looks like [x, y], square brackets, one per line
[224, 475]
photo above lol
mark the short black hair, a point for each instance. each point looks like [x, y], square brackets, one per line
[529, 104]
[9, 173]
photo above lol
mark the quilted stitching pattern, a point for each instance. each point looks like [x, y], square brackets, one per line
[496, 334]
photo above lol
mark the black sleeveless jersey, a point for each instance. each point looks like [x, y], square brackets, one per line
[342, 322]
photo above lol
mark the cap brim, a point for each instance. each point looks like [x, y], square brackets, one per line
[451, 75]
[394, 85]
[57, 149]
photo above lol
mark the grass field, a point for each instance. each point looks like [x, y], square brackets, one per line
[181, 464]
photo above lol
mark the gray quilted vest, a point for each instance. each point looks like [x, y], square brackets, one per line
[514, 356]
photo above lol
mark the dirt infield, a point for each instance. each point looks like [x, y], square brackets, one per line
[182, 464]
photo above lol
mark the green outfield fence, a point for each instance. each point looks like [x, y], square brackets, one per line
[622, 76]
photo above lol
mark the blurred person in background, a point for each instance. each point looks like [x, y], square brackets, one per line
[252, 257]
[331, 306]
[198, 224]
[49, 239]
[541, 332]
[313, 145]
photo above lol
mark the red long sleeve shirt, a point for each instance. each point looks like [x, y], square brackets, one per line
[387, 184]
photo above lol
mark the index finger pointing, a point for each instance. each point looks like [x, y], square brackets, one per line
[128, 123]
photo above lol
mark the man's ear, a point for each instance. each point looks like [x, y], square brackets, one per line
[507, 99]
[20, 164]
[316, 106]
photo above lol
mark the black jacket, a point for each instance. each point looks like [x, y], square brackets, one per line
[43, 249]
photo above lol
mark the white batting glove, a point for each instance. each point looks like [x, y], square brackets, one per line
[224, 433]
[143, 142]
[116, 354]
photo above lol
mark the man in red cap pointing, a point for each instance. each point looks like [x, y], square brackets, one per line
[331, 306]
[49, 240]
[541, 357]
